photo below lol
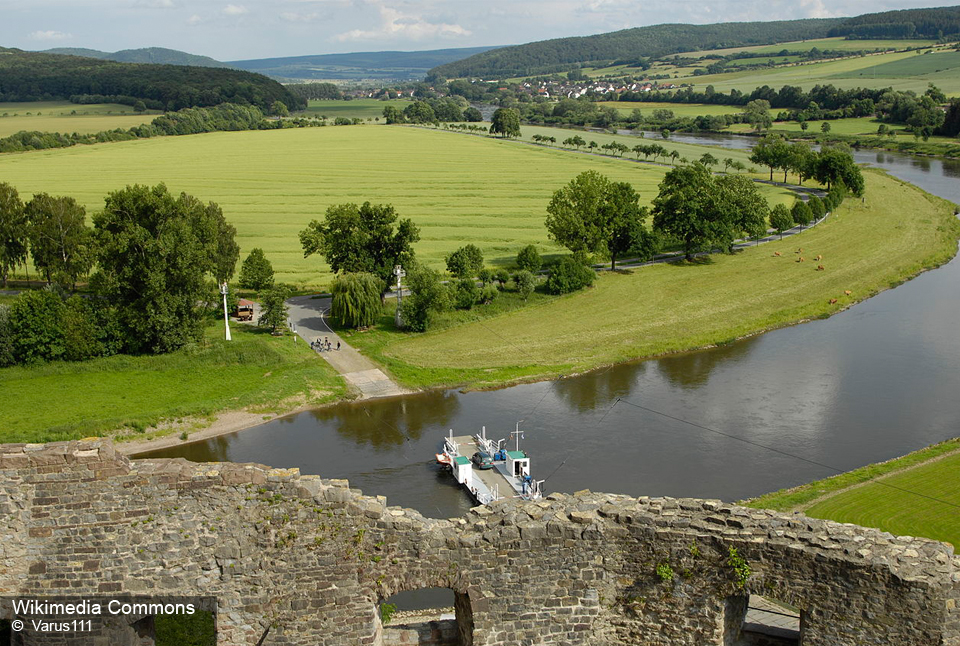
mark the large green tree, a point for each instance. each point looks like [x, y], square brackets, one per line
[366, 238]
[772, 152]
[465, 262]
[428, 295]
[256, 272]
[14, 229]
[61, 245]
[780, 219]
[505, 122]
[156, 254]
[356, 299]
[591, 214]
[835, 165]
[705, 212]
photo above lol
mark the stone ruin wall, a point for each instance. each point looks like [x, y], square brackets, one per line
[302, 560]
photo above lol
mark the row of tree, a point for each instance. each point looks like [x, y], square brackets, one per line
[153, 256]
[224, 117]
[831, 165]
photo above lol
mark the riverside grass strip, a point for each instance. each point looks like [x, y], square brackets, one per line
[457, 188]
[881, 495]
[866, 246]
[63, 400]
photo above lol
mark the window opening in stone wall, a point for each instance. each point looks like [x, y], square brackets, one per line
[769, 622]
[427, 617]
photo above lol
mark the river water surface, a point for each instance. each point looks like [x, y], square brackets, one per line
[871, 383]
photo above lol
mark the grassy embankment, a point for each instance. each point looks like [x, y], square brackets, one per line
[456, 188]
[866, 247]
[255, 371]
[881, 495]
[66, 117]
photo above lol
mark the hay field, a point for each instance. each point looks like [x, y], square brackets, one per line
[458, 188]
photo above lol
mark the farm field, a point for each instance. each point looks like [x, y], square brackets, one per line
[878, 495]
[58, 116]
[845, 73]
[836, 44]
[866, 247]
[270, 184]
[355, 108]
[100, 395]
[679, 109]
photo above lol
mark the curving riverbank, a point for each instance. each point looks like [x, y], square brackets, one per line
[895, 233]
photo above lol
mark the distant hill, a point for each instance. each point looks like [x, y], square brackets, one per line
[155, 55]
[905, 23]
[35, 76]
[357, 65]
[562, 54]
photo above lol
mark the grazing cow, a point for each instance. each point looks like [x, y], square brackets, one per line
[800, 250]
[833, 301]
[847, 292]
[819, 267]
[800, 259]
[776, 253]
[818, 258]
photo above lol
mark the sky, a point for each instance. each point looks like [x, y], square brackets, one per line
[242, 29]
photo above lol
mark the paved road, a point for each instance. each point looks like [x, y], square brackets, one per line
[307, 315]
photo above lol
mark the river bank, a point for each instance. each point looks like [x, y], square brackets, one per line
[894, 234]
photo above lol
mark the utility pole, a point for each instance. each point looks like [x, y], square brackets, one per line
[399, 273]
[226, 317]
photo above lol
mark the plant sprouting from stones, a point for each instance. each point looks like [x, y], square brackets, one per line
[739, 566]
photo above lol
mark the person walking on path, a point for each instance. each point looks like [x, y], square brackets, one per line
[338, 346]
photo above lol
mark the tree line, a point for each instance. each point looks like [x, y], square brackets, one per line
[32, 76]
[224, 117]
[156, 259]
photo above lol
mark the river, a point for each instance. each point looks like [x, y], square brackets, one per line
[796, 404]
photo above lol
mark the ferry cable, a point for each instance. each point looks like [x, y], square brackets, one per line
[781, 452]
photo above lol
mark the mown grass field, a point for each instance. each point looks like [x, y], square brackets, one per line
[355, 108]
[457, 188]
[866, 247]
[66, 117]
[836, 44]
[58, 401]
[880, 495]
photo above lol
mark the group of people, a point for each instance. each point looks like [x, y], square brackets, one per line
[325, 344]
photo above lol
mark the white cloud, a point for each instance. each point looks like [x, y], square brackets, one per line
[816, 9]
[396, 24]
[155, 4]
[194, 20]
[235, 10]
[49, 35]
[292, 16]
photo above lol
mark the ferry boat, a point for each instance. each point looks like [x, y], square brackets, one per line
[487, 469]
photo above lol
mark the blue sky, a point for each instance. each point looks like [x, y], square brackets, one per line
[238, 29]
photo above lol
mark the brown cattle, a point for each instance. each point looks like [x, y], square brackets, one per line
[776, 253]
[818, 258]
[819, 267]
[833, 301]
[847, 292]
[800, 259]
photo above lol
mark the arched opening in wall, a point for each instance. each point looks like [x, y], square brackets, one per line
[427, 617]
[756, 620]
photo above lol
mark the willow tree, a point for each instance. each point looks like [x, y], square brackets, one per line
[356, 299]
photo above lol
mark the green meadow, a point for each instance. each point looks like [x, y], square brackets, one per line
[879, 495]
[66, 117]
[457, 188]
[911, 72]
[866, 247]
[255, 370]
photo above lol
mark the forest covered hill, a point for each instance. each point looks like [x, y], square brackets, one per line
[636, 44]
[35, 76]
[155, 55]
